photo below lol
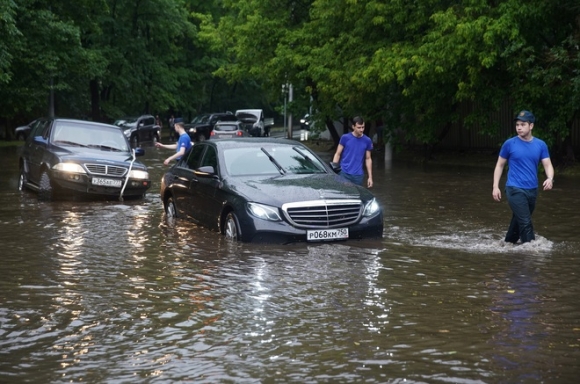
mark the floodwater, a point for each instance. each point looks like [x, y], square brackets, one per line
[106, 292]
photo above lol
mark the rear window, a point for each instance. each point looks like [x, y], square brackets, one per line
[226, 127]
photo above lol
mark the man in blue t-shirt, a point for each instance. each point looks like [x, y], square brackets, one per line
[183, 142]
[353, 149]
[523, 153]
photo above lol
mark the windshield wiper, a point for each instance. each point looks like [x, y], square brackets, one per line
[64, 142]
[105, 147]
[274, 161]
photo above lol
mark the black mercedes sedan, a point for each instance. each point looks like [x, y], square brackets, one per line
[63, 157]
[268, 190]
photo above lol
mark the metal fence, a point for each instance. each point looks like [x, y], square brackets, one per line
[460, 137]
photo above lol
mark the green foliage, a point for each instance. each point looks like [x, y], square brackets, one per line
[411, 64]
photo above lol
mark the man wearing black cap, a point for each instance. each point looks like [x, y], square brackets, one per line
[183, 142]
[523, 153]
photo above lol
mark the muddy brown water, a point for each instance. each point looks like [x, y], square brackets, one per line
[106, 292]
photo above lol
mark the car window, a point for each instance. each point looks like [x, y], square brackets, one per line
[229, 118]
[37, 128]
[194, 156]
[226, 127]
[44, 129]
[147, 121]
[210, 158]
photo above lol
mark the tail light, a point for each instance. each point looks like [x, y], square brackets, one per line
[239, 133]
[212, 133]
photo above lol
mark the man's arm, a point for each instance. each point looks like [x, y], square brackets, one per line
[549, 169]
[166, 146]
[496, 193]
[369, 165]
[338, 153]
[175, 156]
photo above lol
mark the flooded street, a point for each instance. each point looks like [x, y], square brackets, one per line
[106, 292]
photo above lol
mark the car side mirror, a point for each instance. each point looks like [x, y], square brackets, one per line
[335, 167]
[205, 171]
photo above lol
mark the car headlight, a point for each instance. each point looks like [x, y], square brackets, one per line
[371, 208]
[69, 168]
[264, 212]
[138, 174]
[127, 132]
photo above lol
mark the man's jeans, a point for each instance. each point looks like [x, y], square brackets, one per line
[356, 179]
[522, 202]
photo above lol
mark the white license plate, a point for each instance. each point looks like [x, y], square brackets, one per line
[107, 182]
[327, 234]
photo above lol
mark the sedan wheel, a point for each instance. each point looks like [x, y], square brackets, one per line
[170, 210]
[231, 229]
[22, 180]
[45, 187]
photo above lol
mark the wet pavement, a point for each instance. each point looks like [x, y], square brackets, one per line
[105, 291]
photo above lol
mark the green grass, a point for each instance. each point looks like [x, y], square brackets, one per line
[11, 143]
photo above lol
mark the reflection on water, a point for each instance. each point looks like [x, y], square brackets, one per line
[108, 292]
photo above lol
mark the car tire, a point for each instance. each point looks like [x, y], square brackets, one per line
[170, 209]
[45, 189]
[201, 137]
[22, 180]
[135, 141]
[155, 138]
[232, 228]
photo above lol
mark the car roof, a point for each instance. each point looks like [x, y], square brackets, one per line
[251, 142]
[85, 122]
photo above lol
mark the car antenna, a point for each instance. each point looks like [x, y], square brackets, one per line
[133, 157]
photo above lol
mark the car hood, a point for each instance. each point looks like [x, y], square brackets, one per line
[247, 118]
[91, 155]
[282, 189]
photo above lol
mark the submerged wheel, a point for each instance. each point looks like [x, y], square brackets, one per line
[170, 209]
[45, 187]
[231, 227]
[22, 180]
[155, 138]
[135, 141]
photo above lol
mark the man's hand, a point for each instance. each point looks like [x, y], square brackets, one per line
[496, 194]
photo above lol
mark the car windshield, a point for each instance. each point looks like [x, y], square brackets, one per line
[80, 135]
[267, 159]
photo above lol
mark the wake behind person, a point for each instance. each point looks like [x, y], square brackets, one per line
[182, 145]
[523, 153]
[353, 149]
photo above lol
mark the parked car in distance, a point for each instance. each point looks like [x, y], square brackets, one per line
[254, 122]
[305, 122]
[201, 126]
[64, 157]
[268, 190]
[140, 129]
[228, 129]
[22, 132]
